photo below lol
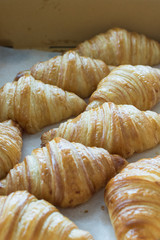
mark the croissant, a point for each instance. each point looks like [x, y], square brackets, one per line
[63, 173]
[118, 46]
[34, 104]
[135, 85]
[10, 146]
[71, 72]
[121, 129]
[133, 202]
[22, 216]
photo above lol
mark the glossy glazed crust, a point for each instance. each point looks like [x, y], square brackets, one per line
[134, 85]
[72, 73]
[133, 202]
[22, 216]
[121, 129]
[118, 46]
[10, 146]
[63, 173]
[34, 104]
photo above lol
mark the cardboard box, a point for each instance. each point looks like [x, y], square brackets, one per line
[61, 24]
[54, 24]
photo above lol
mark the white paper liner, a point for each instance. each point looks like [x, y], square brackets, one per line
[93, 215]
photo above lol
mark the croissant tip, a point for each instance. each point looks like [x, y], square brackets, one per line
[42, 144]
[111, 67]
[18, 126]
[80, 235]
[48, 136]
[44, 139]
[13, 124]
[94, 104]
[2, 188]
[119, 162]
[21, 74]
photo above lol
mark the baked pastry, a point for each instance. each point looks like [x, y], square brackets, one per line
[133, 202]
[71, 72]
[118, 46]
[34, 104]
[10, 146]
[22, 216]
[63, 173]
[121, 129]
[127, 84]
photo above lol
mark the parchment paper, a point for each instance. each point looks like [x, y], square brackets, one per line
[93, 215]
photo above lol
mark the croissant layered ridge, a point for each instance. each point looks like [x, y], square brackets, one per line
[132, 198]
[10, 146]
[118, 46]
[135, 85]
[72, 73]
[22, 216]
[63, 173]
[121, 129]
[34, 104]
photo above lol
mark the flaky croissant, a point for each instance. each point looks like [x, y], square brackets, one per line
[10, 146]
[118, 46]
[34, 104]
[22, 216]
[121, 129]
[133, 202]
[63, 173]
[71, 72]
[127, 84]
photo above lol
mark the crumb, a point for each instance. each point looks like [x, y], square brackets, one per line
[85, 211]
[102, 207]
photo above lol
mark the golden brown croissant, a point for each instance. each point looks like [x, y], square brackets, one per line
[22, 216]
[10, 146]
[34, 104]
[121, 129]
[118, 46]
[71, 72]
[134, 85]
[63, 173]
[133, 202]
